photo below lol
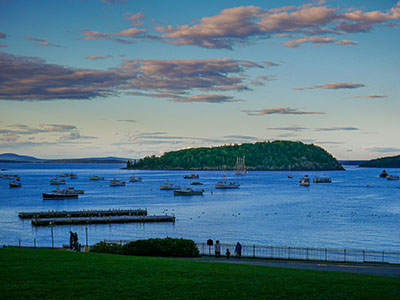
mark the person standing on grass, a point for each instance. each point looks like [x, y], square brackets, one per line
[238, 250]
[71, 239]
[217, 248]
[75, 241]
[228, 253]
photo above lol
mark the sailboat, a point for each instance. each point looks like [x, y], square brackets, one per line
[240, 166]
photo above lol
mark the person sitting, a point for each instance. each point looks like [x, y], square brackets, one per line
[228, 253]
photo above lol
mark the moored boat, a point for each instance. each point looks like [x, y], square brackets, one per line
[95, 177]
[73, 176]
[305, 181]
[193, 176]
[188, 192]
[168, 186]
[58, 195]
[133, 178]
[383, 174]
[116, 182]
[15, 184]
[393, 177]
[69, 190]
[57, 181]
[322, 180]
[196, 183]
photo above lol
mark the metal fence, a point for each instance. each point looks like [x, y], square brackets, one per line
[299, 253]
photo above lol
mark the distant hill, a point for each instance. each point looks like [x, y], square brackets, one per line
[15, 158]
[277, 155]
[352, 162]
[384, 162]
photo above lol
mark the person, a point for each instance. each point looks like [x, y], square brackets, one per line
[75, 241]
[217, 248]
[238, 250]
[71, 239]
[228, 253]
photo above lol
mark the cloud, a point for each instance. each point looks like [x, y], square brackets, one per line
[129, 121]
[334, 86]
[345, 128]
[135, 19]
[292, 128]
[313, 39]
[131, 33]
[206, 99]
[41, 42]
[279, 110]
[27, 78]
[245, 24]
[240, 137]
[262, 80]
[73, 136]
[270, 64]
[347, 43]
[3, 35]
[372, 96]
[98, 57]
[381, 149]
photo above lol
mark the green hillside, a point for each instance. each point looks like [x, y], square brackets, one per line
[384, 162]
[277, 155]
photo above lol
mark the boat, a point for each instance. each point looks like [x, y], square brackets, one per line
[15, 184]
[116, 182]
[305, 181]
[383, 174]
[240, 166]
[57, 181]
[133, 178]
[9, 176]
[392, 177]
[168, 186]
[58, 195]
[322, 180]
[69, 190]
[227, 185]
[73, 176]
[64, 175]
[290, 176]
[193, 176]
[196, 183]
[95, 177]
[187, 192]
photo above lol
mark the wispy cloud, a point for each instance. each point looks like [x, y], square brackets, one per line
[128, 121]
[347, 43]
[334, 86]
[206, 99]
[374, 96]
[41, 42]
[317, 40]
[98, 57]
[344, 128]
[279, 110]
[381, 149]
[292, 128]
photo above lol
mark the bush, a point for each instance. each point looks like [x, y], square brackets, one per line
[161, 247]
[102, 247]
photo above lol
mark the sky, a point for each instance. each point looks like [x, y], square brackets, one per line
[131, 78]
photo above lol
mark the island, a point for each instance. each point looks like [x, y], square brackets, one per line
[260, 156]
[383, 162]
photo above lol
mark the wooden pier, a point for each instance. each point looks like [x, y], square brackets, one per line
[83, 213]
[101, 220]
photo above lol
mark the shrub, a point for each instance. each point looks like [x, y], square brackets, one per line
[103, 247]
[161, 247]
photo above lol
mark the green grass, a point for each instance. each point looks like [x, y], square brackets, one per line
[56, 274]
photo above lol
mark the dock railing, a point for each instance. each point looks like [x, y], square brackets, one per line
[299, 253]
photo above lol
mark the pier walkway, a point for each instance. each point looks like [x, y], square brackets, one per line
[82, 213]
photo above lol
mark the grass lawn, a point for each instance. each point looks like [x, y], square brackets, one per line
[56, 274]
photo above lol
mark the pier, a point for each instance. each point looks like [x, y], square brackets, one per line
[101, 220]
[83, 213]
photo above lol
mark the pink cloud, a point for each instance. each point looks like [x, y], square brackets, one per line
[97, 57]
[41, 42]
[207, 99]
[334, 86]
[374, 96]
[347, 43]
[313, 39]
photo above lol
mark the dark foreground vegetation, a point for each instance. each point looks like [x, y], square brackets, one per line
[384, 162]
[277, 155]
[57, 274]
[169, 247]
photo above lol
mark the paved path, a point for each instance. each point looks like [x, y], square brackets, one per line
[358, 268]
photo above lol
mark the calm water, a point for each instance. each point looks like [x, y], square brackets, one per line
[357, 210]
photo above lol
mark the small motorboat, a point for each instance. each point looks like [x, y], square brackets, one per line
[58, 196]
[57, 181]
[15, 184]
[95, 177]
[290, 176]
[69, 190]
[133, 178]
[383, 174]
[73, 176]
[227, 185]
[116, 182]
[188, 192]
[305, 181]
[196, 183]
[168, 186]
[193, 176]
[322, 180]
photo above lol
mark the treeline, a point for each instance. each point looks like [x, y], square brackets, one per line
[277, 155]
[384, 162]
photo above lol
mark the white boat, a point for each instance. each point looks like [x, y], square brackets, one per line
[168, 186]
[392, 177]
[57, 181]
[133, 178]
[305, 181]
[95, 177]
[116, 182]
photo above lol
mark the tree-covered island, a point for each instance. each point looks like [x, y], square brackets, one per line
[268, 156]
[383, 162]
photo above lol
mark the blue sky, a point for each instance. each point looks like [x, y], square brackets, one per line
[134, 78]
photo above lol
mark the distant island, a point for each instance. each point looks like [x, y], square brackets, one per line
[15, 158]
[384, 162]
[271, 156]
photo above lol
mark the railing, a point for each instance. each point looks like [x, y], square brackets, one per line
[299, 253]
